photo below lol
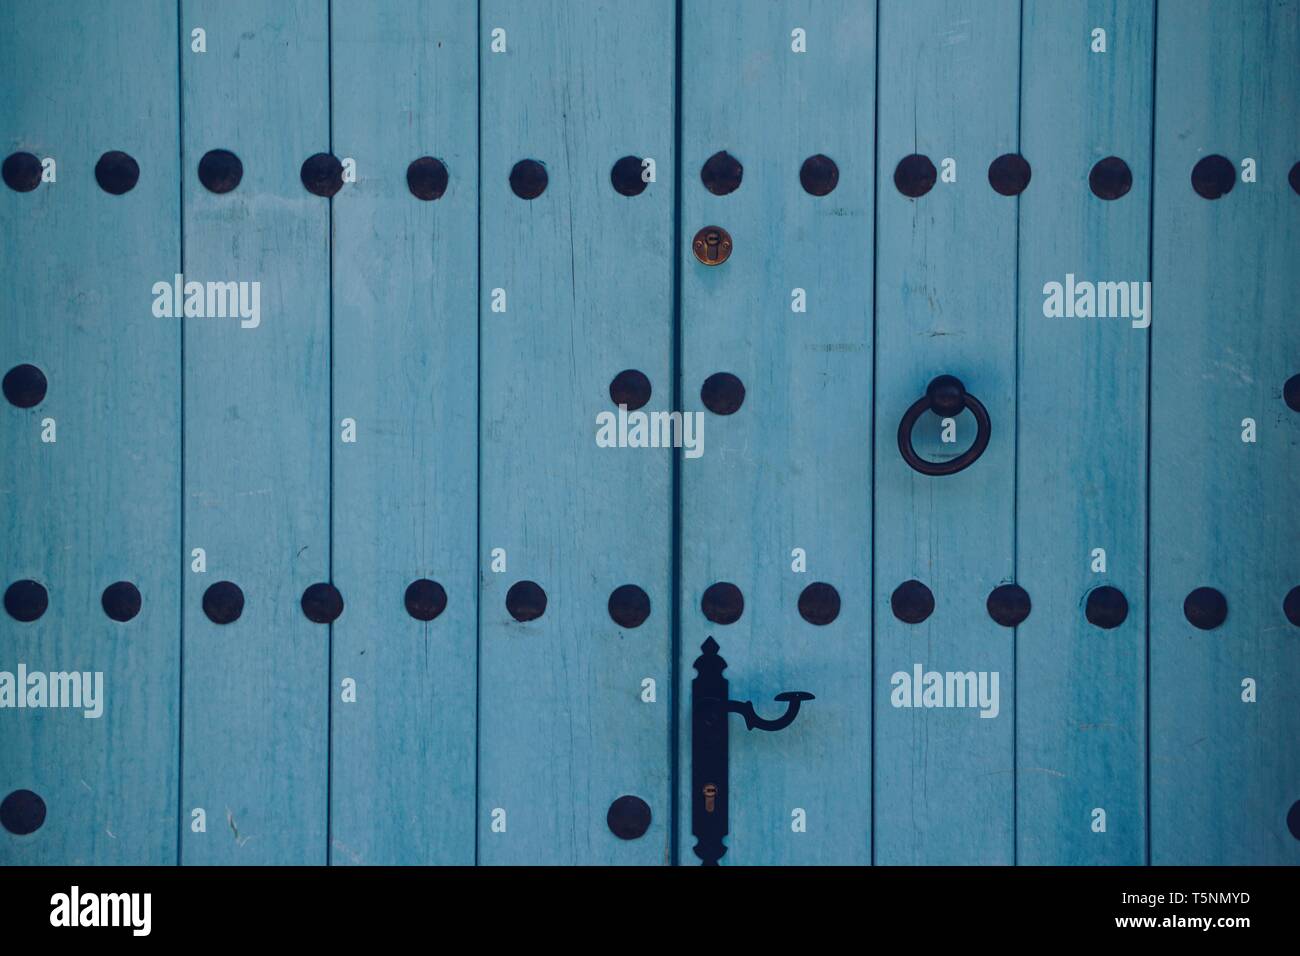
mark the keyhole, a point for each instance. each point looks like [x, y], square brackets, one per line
[710, 794]
[712, 245]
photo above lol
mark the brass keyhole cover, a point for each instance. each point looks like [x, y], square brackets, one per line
[712, 245]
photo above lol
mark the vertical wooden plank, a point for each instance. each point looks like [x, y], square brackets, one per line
[946, 305]
[100, 504]
[405, 495]
[254, 737]
[1081, 688]
[789, 472]
[585, 275]
[1225, 772]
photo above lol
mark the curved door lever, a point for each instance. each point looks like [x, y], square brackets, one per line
[710, 788]
[792, 699]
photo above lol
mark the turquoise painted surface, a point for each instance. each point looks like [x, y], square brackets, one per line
[1081, 441]
[587, 278]
[1224, 773]
[476, 429]
[945, 304]
[404, 494]
[791, 469]
[254, 743]
[99, 504]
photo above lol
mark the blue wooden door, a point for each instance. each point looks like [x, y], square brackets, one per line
[400, 394]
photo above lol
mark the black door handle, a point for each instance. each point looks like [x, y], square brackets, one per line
[946, 397]
[792, 700]
[709, 748]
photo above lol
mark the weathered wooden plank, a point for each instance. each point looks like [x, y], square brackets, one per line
[1081, 688]
[945, 305]
[780, 499]
[405, 372]
[254, 738]
[585, 280]
[1225, 772]
[100, 504]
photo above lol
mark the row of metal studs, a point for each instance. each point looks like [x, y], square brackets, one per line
[629, 606]
[220, 171]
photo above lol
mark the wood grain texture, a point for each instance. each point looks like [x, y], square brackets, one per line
[945, 304]
[405, 494]
[1081, 690]
[792, 468]
[257, 433]
[101, 504]
[587, 274]
[1224, 513]
[476, 428]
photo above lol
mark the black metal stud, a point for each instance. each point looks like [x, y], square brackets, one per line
[722, 603]
[912, 602]
[425, 599]
[121, 601]
[1291, 605]
[223, 602]
[1106, 607]
[1205, 608]
[628, 817]
[22, 812]
[26, 600]
[915, 175]
[1291, 393]
[819, 175]
[22, 172]
[1293, 819]
[322, 174]
[631, 388]
[626, 176]
[629, 606]
[1110, 178]
[723, 393]
[322, 603]
[24, 386]
[1008, 604]
[1009, 174]
[1293, 178]
[528, 179]
[427, 178]
[526, 601]
[722, 173]
[819, 603]
[1214, 176]
[220, 170]
[117, 173]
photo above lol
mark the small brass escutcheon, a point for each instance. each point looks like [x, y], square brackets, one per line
[710, 794]
[712, 245]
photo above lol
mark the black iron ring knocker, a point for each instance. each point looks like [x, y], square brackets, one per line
[946, 397]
